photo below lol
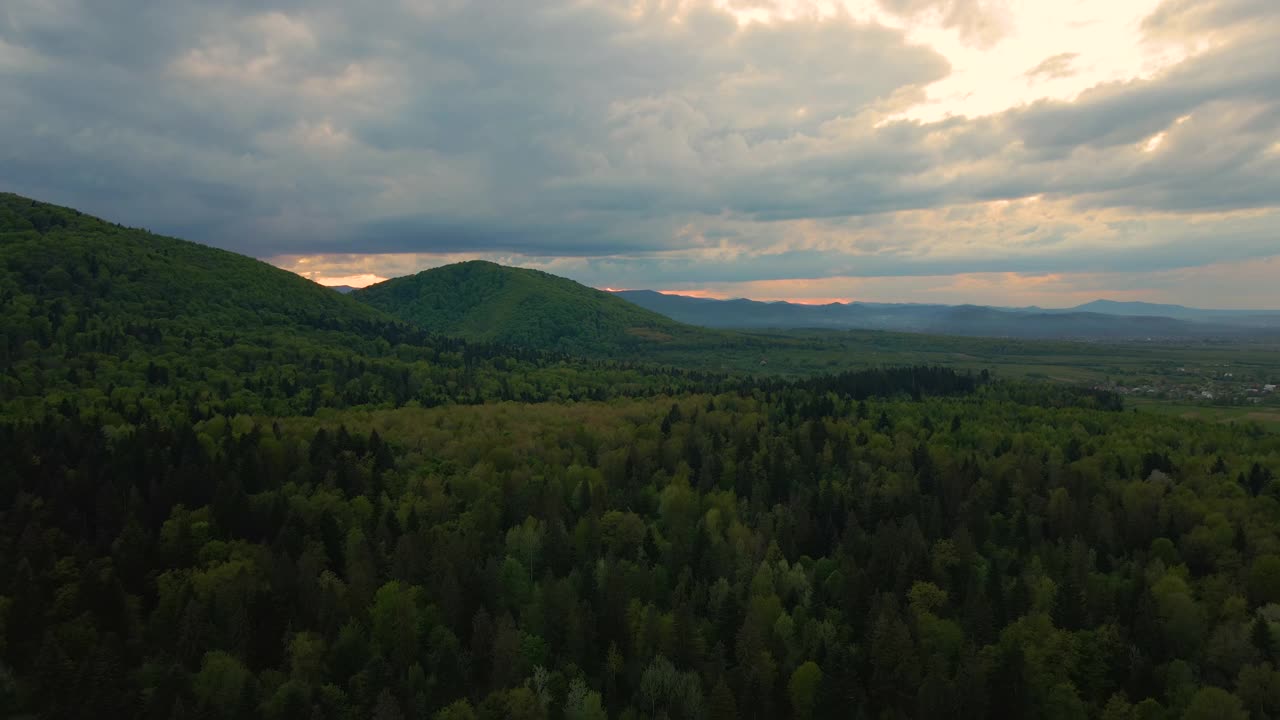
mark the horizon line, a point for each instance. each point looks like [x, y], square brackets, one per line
[365, 280]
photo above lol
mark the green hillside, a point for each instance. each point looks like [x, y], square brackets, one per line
[484, 301]
[49, 251]
[119, 319]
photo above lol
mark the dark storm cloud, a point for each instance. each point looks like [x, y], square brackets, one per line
[557, 128]
[538, 109]
[410, 234]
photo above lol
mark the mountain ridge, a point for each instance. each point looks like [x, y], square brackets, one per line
[1089, 321]
[1180, 312]
[101, 320]
[106, 316]
[480, 300]
[1102, 306]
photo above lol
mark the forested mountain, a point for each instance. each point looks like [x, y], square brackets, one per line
[54, 252]
[480, 300]
[1090, 322]
[111, 317]
[230, 493]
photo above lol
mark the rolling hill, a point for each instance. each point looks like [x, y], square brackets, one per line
[99, 317]
[484, 301]
[49, 252]
[113, 316]
[96, 283]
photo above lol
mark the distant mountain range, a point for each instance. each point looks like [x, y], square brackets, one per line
[1098, 320]
[1249, 318]
[488, 302]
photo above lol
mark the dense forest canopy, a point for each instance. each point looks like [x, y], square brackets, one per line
[228, 492]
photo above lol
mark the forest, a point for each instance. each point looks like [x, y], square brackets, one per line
[228, 493]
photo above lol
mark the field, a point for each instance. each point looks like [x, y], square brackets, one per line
[1212, 381]
[804, 352]
[1268, 417]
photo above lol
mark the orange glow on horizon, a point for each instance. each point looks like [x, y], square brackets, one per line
[355, 281]
[715, 295]
[706, 294]
[817, 301]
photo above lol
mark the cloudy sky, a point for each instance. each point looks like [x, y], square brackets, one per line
[994, 151]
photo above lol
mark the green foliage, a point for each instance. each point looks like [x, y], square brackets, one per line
[1149, 709]
[222, 686]
[483, 301]
[721, 705]
[1213, 703]
[803, 689]
[582, 703]
[1264, 579]
[460, 710]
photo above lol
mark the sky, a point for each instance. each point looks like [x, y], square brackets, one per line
[1003, 152]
